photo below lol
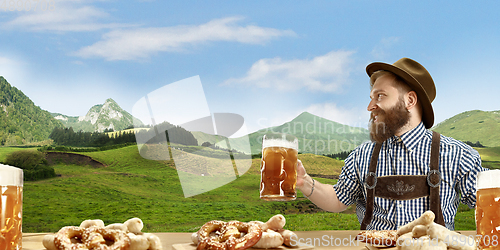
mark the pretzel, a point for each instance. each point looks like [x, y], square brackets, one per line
[97, 238]
[253, 233]
[63, 238]
[220, 235]
[94, 235]
[205, 240]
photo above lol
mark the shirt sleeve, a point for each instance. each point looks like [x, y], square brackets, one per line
[470, 166]
[348, 187]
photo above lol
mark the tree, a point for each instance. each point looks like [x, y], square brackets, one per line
[32, 162]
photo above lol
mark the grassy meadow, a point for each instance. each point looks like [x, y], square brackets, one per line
[131, 186]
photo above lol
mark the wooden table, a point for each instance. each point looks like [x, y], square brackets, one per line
[343, 240]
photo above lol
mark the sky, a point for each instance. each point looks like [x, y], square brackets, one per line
[267, 61]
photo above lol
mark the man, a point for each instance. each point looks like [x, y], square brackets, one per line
[403, 180]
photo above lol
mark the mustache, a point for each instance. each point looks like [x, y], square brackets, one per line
[376, 113]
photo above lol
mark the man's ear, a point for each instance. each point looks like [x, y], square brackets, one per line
[411, 99]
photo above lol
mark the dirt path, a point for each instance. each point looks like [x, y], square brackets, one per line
[72, 158]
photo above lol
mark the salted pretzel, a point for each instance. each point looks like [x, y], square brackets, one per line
[252, 234]
[233, 235]
[91, 238]
[100, 238]
[94, 235]
[70, 238]
[209, 235]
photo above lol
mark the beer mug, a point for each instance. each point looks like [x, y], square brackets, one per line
[278, 167]
[488, 210]
[11, 203]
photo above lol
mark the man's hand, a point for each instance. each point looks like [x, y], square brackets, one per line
[323, 195]
[301, 174]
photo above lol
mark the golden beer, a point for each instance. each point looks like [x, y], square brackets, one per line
[488, 210]
[11, 204]
[279, 168]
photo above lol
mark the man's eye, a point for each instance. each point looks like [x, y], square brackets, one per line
[380, 96]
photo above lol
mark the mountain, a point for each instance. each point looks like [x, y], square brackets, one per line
[99, 118]
[21, 121]
[316, 135]
[474, 126]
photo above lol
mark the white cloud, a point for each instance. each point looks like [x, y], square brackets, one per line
[139, 43]
[65, 17]
[325, 73]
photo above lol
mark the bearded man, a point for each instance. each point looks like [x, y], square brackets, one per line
[406, 169]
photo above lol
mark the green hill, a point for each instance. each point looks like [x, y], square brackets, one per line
[490, 157]
[21, 121]
[316, 135]
[131, 186]
[473, 126]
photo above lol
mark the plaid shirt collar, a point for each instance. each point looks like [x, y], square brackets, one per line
[409, 139]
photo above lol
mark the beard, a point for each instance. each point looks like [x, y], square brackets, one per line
[389, 122]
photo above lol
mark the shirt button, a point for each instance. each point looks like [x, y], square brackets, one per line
[400, 205]
[400, 158]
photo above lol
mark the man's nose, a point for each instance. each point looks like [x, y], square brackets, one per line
[371, 106]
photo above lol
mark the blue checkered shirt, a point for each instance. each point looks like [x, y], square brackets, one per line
[410, 155]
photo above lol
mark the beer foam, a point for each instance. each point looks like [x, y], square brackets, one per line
[280, 143]
[488, 179]
[10, 175]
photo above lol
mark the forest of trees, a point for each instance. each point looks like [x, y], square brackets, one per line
[477, 144]
[340, 156]
[21, 121]
[174, 134]
[68, 137]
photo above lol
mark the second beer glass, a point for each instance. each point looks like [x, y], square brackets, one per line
[278, 167]
[11, 204]
[488, 210]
